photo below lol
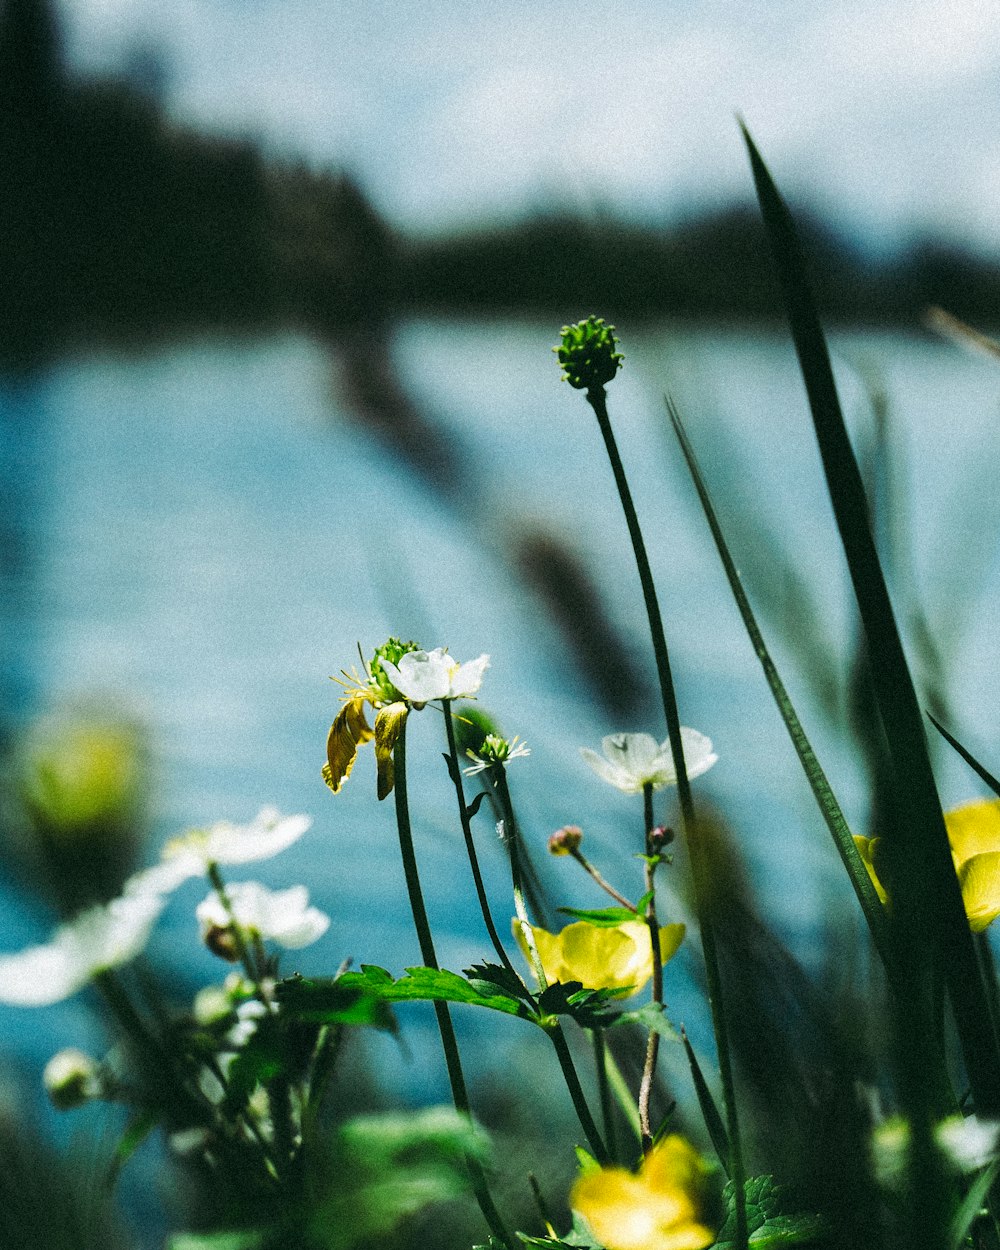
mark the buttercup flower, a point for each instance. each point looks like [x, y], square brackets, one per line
[282, 916]
[224, 843]
[495, 750]
[974, 836]
[97, 939]
[422, 676]
[617, 958]
[656, 1208]
[633, 761]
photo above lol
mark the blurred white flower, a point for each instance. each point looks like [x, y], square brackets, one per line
[422, 676]
[97, 939]
[224, 843]
[633, 761]
[282, 916]
[72, 1078]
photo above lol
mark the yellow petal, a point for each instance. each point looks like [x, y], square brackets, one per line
[348, 732]
[671, 936]
[626, 1212]
[866, 849]
[549, 949]
[389, 722]
[974, 829]
[607, 959]
[674, 1163]
[979, 878]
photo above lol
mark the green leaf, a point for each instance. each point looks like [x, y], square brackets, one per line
[262, 1058]
[970, 759]
[971, 1205]
[603, 917]
[133, 1137]
[709, 1111]
[251, 1239]
[503, 978]
[826, 800]
[436, 985]
[589, 1008]
[767, 1225]
[933, 933]
[651, 1017]
[333, 1002]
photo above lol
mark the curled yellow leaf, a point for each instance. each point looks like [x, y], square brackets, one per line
[347, 733]
[389, 722]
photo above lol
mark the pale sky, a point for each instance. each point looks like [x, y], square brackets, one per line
[886, 115]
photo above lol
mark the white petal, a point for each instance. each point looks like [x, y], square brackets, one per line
[469, 677]
[166, 876]
[268, 834]
[39, 976]
[609, 772]
[698, 754]
[422, 675]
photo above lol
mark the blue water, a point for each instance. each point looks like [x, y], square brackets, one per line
[202, 534]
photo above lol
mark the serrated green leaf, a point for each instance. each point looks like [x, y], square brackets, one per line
[334, 1002]
[589, 1008]
[767, 1225]
[650, 1016]
[504, 978]
[436, 985]
[602, 917]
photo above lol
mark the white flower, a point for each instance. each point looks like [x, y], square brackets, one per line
[97, 939]
[224, 843]
[425, 675]
[282, 916]
[71, 1078]
[495, 750]
[633, 761]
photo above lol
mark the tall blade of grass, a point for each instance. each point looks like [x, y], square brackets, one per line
[929, 917]
[710, 1112]
[871, 906]
[969, 758]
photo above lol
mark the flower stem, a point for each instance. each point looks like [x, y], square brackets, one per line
[604, 1090]
[608, 888]
[499, 778]
[449, 1043]
[653, 1041]
[597, 399]
[470, 846]
[239, 939]
[596, 1143]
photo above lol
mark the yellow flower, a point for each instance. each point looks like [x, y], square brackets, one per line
[618, 958]
[351, 730]
[974, 835]
[656, 1208]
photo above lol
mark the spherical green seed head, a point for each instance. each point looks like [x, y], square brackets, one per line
[587, 354]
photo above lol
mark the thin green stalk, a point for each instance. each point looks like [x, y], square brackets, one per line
[597, 399]
[622, 1093]
[239, 940]
[653, 1041]
[604, 1092]
[449, 1043]
[871, 906]
[499, 777]
[596, 1143]
[470, 846]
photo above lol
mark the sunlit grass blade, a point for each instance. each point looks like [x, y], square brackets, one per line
[872, 908]
[969, 758]
[929, 917]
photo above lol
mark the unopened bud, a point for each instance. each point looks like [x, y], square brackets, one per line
[211, 1005]
[220, 941]
[587, 354]
[660, 837]
[566, 840]
[71, 1078]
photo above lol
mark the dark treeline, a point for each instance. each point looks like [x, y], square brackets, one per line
[118, 225]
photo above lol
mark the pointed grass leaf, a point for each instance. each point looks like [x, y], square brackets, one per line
[969, 758]
[929, 918]
[709, 1111]
[826, 800]
[135, 1134]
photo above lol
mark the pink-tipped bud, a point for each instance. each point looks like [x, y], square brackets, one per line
[565, 840]
[660, 837]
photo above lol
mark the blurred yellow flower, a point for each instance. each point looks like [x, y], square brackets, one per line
[656, 1208]
[617, 958]
[974, 835]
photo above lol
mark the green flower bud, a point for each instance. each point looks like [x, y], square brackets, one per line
[392, 650]
[587, 354]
